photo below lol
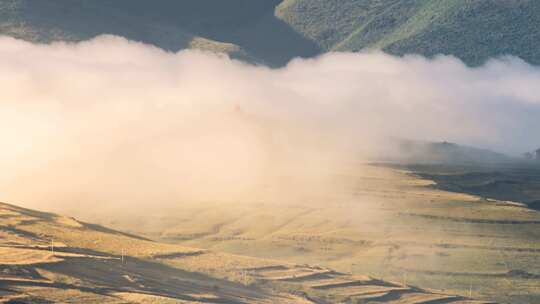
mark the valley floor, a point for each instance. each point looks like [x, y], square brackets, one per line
[47, 258]
[379, 221]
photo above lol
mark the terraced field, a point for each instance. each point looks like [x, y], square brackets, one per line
[46, 258]
[377, 221]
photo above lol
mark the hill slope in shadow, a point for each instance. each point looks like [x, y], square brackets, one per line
[248, 27]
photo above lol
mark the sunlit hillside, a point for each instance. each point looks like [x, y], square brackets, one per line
[474, 31]
[48, 258]
[381, 221]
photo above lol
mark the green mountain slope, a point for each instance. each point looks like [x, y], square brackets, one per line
[473, 30]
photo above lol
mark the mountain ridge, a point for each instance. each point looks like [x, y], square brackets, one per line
[274, 32]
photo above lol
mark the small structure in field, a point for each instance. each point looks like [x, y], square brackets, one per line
[528, 156]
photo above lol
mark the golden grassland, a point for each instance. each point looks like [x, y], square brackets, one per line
[381, 222]
[48, 258]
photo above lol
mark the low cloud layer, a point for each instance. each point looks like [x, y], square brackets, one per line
[113, 121]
